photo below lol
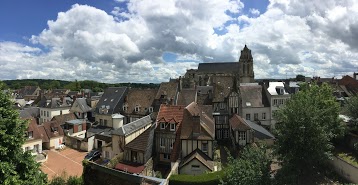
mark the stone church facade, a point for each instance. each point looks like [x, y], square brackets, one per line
[243, 71]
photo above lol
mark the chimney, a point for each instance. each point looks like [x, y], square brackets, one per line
[355, 76]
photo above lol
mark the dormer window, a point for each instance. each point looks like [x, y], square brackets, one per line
[162, 125]
[125, 107]
[105, 99]
[282, 91]
[30, 134]
[137, 108]
[172, 126]
[54, 129]
[150, 109]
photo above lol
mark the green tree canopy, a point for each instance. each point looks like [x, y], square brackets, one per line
[305, 128]
[251, 168]
[17, 166]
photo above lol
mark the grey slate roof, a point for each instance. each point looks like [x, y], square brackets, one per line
[133, 126]
[82, 104]
[30, 112]
[111, 98]
[219, 67]
[97, 130]
[260, 132]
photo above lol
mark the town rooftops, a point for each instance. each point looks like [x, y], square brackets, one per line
[167, 90]
[222, 87]
[76, 121]
[169, 113]
[61, 119]
[260, 132]
[276, 88]
[141, 142]
[141, 98]
[131, 127]
[80, 105]
[237, 123]
[197, 124]
[252, 96]
[219, 67]
[109, 102]
[130, 167]
[186, 96]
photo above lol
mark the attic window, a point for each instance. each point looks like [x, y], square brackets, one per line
[125, 107]
[105, 99]
[30, 134]
[136, 109]
[54, 129]
[150, 109]
[162, 125]
[172, 127]
[112, 100]
[116, 91]
[248, 104]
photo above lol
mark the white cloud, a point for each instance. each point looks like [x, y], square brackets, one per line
[254, 11]
[126, 45]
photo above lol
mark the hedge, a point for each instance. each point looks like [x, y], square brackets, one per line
[204, 179]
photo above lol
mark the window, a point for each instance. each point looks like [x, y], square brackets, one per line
[172, 126]
[150, 109]
[136, 109]
[30, 134]
[162, 125]
[204, 147]
[275, 102]
[47, 114]
[106, 154]
[54, 129]
[171, 145]
[226, 134]
[79, 128]
[256, 116]
[248, 116]
[195, 167]
[161, 140]
[242, 135]
[263, 115]
[105, 99]
[42, 113]
[125, 107]
[101, 121]
[167, 156]
[105, 122]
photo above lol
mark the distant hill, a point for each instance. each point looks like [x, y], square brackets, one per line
[73, 85]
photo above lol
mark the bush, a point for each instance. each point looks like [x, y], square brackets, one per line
[204, 179]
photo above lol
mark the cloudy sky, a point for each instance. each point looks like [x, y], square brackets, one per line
[152, 40]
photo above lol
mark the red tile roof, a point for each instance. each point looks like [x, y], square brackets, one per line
[237, 123]
[131, 168]
[169, 112]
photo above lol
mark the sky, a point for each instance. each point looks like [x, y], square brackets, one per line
[147, 41]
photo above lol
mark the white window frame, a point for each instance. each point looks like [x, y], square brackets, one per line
[172, 125]
[150, 109]
[264, 116]
[137, 108]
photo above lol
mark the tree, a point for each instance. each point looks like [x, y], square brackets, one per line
[251, 168]
[352, 108]
[55, 84]
[305, 128]
[300, 78]
[17, 166]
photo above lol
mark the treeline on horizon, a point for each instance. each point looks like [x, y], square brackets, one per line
[72, 85]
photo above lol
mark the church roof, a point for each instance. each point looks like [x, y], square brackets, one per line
[219, 67]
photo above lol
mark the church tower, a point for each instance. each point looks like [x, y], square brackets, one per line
[246, 63]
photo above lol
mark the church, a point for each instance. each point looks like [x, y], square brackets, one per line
[242, 71]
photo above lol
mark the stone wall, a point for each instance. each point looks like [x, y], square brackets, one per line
[346, 170]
